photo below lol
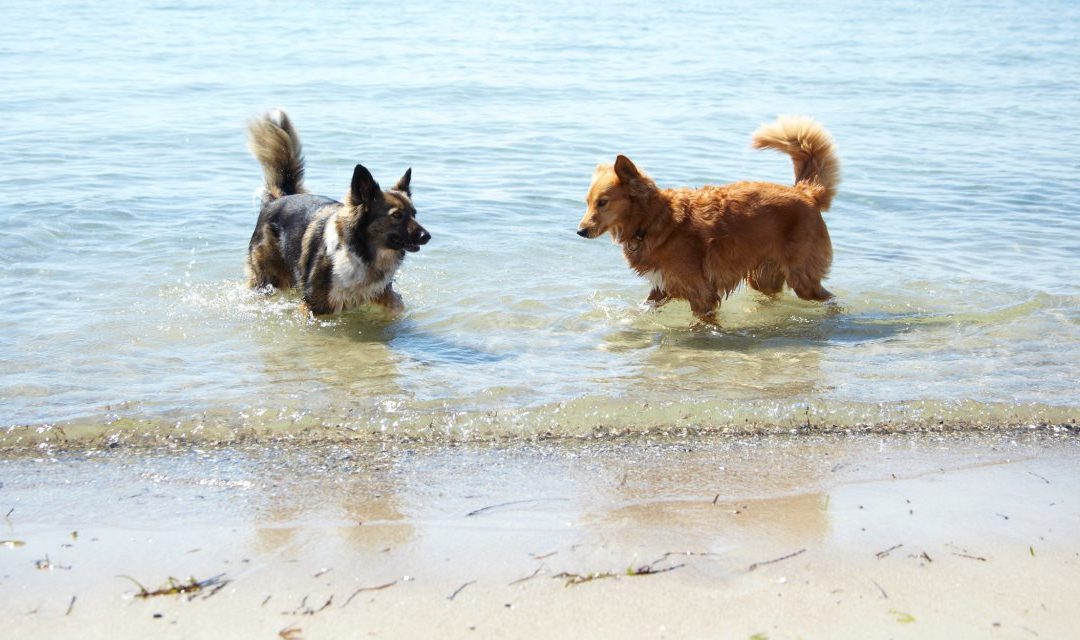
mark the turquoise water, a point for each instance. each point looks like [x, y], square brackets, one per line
[127, 198]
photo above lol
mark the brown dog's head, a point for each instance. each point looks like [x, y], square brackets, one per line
[383, 219]
[615, 192]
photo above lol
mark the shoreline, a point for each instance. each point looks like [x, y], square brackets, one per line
[809, 535]
[484, 428]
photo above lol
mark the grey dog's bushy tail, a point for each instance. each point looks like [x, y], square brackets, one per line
[276, 145]
[812, 151]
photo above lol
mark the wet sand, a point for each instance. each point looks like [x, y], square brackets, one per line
[799, 536]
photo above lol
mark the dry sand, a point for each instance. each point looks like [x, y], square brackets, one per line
[802, 536]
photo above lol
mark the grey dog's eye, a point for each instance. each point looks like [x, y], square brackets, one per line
[602, 202]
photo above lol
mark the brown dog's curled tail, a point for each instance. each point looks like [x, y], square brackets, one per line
[276, 145]
[811, 149]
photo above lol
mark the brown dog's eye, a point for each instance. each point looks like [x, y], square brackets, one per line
[602, 202]
[396, 215]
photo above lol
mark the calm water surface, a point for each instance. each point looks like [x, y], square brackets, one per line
[127, 198]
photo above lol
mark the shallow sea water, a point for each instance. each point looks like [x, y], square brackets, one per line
[127, 199]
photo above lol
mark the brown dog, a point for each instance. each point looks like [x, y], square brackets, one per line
[698, 245]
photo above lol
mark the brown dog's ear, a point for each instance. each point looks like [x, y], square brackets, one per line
[364, 189]
[403, 183]
[639, 186]
[626, 171]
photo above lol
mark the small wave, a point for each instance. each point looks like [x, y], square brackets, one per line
[397, 421]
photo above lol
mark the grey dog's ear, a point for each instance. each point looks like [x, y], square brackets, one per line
[364, 190]
[403, 182]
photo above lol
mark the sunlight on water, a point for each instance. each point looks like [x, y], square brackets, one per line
[127, 206]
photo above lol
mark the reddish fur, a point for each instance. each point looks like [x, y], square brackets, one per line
[705, 242]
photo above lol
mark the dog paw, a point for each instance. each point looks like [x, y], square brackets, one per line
[652, 305]
[393, 304]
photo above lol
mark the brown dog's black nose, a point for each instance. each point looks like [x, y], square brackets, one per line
[583, 232]
[424, 237]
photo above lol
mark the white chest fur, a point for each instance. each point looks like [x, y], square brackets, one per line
[655, 278]
[353, 281]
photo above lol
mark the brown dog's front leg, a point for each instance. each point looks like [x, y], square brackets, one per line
[657, 298]
[705, 310]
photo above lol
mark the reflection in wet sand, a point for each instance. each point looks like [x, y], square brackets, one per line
[355, 500]
[716, 527]
[706, 506]
[566, 508]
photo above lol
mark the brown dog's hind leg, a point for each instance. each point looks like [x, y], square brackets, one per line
[808, 287]
[809, 261]
[767, 278]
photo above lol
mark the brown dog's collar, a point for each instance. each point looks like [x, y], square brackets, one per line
[635, 242]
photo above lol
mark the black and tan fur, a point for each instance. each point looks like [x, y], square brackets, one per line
[339, 254]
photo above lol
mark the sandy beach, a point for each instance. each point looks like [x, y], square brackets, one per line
[923, 535]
